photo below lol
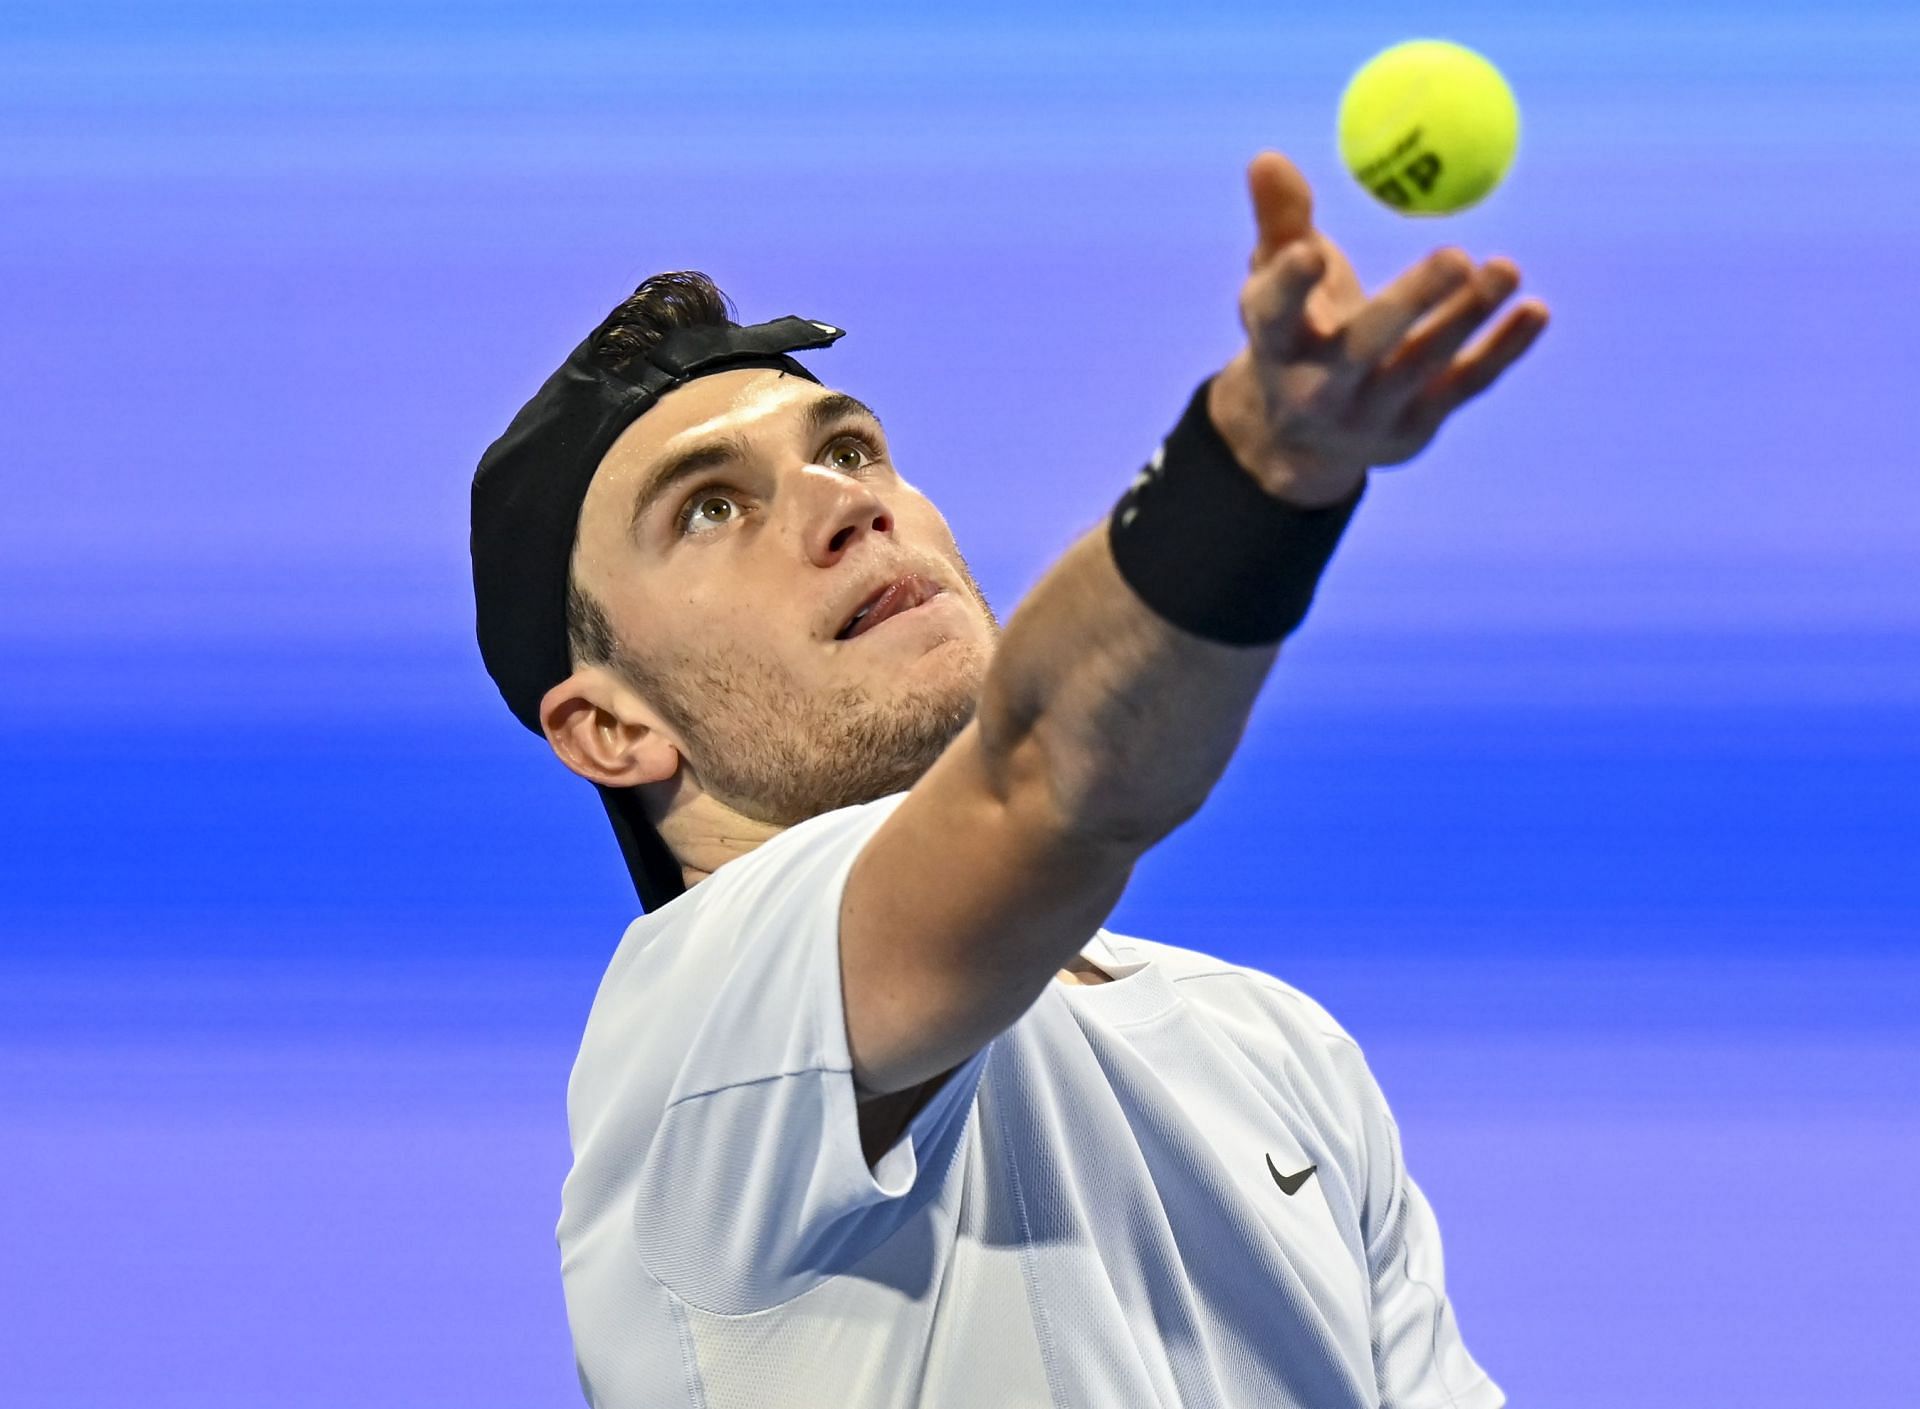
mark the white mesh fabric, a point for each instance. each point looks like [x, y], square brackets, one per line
[1086, 1213]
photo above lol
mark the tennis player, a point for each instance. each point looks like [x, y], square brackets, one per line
[871, 1110]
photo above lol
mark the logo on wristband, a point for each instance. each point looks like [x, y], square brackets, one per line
[1142, 480]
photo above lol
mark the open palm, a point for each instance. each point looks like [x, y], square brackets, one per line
[1332, 382]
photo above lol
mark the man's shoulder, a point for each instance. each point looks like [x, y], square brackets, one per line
[752, 933]
[700, 927]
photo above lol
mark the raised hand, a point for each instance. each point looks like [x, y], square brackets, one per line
[1332, 383]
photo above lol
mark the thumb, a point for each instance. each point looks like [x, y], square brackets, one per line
[1282, 204]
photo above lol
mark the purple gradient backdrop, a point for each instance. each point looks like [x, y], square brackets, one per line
[1588, 798]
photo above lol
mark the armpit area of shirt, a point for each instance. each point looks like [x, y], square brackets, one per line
[1104, 958]
[1083, 971]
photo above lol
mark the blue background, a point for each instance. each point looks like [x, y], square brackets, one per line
[1588, 798]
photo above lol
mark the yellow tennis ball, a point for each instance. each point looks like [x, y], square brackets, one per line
[1428, 127]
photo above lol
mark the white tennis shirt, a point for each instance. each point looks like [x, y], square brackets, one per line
[1087, 1214]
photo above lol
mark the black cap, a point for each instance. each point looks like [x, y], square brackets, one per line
[527, 495]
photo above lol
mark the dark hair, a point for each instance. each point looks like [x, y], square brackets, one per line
[685, 298]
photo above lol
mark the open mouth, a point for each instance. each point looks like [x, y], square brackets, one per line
[903, 594]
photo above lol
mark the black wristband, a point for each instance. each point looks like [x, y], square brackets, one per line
[1206, 548]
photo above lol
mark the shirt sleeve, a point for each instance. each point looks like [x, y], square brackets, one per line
[754, 1187]
[1419, 1359]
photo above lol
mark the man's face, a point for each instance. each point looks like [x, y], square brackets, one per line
[728, 586]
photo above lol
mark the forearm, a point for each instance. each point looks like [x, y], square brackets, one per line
[1117, 723]
[1123, 683]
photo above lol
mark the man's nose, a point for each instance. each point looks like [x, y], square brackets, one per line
[838, 512]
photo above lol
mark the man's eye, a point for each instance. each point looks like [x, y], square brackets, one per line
[702, 507]
[859, 438]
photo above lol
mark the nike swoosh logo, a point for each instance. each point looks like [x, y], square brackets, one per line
[1289, 1183]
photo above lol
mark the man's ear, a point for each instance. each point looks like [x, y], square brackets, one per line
[604, 732]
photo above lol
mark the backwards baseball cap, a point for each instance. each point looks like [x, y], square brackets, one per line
[527, 494]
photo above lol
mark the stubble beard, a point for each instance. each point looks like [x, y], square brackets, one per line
[778, 754]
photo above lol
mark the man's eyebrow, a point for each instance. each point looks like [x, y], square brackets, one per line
[821, 414]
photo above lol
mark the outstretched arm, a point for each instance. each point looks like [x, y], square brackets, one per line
[1101, 725]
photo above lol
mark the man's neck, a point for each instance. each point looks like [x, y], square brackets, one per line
[705, 835]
